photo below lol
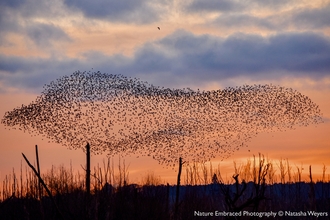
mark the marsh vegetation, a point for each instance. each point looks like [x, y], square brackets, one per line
[257, 185]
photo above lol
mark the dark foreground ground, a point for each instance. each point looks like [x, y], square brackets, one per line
[246, 201]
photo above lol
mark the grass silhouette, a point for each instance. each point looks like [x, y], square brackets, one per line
[257, 185]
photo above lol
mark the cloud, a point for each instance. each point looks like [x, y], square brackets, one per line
[215, 6]
[44, 34]
[238, 14]
[271, 4]
[8, 20]
[243, 20]
[33, 8]
[33, 19]
[183, 56]
[125, 11]
[32, 73]
[12, 3]
[242, 54]
[41, 34]
[312, 17]
[237, 6]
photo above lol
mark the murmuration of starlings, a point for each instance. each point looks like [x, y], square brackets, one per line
[122, 115]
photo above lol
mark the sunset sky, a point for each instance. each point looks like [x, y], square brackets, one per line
[205, 44]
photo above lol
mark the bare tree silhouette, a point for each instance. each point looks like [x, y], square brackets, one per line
[118, 114]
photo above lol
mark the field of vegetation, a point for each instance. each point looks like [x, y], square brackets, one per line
[256, 186]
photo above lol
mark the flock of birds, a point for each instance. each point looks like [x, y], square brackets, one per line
[122, 115]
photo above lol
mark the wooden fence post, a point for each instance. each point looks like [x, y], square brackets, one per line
[178, 190]
[88, 169]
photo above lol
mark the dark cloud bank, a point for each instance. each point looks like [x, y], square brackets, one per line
[184, 56]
